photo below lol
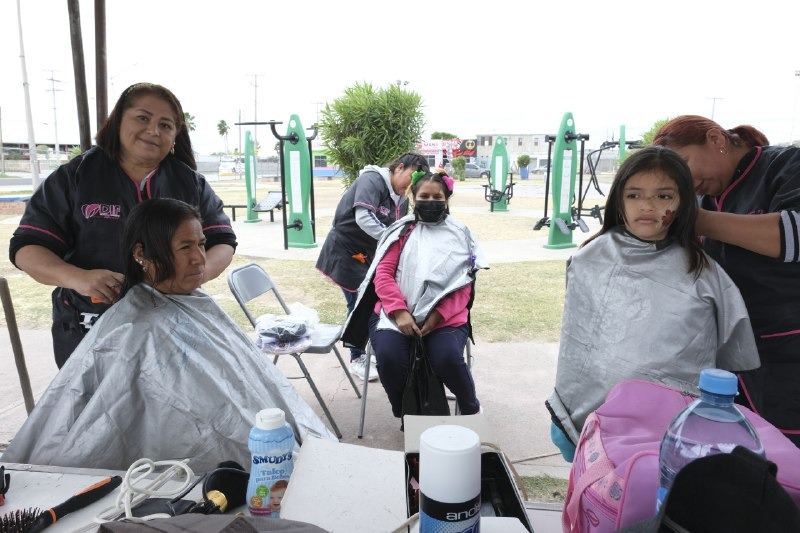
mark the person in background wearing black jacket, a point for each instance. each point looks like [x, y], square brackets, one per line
[372, 202]
[750, 223]
[70, 233]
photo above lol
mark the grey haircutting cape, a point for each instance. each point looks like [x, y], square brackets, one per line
[163, 377]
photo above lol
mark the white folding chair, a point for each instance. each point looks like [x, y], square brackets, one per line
[250, 281]
[370, 353]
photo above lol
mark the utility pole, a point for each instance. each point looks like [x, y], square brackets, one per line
[713, 104]
[318, 104]
[2, 148]
[255, 109]
[55, 110]
[28, 116]
[794, 111]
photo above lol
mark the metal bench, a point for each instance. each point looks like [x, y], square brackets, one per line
[273, 200]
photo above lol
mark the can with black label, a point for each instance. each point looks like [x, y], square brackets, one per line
[449, 480]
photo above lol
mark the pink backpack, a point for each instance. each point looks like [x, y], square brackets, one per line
[614, 476]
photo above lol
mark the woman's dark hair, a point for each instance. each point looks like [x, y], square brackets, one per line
[691, 129]
[434, 177]
[152, 224]
[108, 135]
[659, 159]
[410, 159]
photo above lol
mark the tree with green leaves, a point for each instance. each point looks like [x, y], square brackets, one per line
[647, 137]
[223, 129]
[459, 165]
[189, 120]
[443, 135]
[368, 126]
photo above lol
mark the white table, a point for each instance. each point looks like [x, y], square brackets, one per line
[47, 486]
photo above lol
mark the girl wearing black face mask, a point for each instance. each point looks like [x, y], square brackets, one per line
[421, 284]
[430, 198]
[375, 200]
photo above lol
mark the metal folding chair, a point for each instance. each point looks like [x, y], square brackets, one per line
[370, 353]
[249, 282]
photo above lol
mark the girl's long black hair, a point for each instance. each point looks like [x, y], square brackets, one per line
[661, 159]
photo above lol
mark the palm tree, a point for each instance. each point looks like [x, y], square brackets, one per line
[223, 129]
[189, 120]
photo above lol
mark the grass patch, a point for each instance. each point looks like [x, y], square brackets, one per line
[514, 301]
[546, 489]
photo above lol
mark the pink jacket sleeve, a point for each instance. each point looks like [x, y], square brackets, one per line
[453, 307]
[387, 289]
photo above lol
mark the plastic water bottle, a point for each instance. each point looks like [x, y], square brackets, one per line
[271, 444]
[710, 425]
[449, 480]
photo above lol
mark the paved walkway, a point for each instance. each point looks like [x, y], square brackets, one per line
[513, 379]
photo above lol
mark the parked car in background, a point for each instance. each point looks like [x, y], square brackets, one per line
[471, 170]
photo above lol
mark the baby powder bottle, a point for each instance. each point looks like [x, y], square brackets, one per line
[449, 480]
[271, 444]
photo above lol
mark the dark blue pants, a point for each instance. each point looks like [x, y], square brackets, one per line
[351, 298]
[445, 349]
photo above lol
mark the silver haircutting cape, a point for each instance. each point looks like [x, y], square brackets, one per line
[163, 377]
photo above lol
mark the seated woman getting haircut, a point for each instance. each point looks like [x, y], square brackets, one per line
[165, 373]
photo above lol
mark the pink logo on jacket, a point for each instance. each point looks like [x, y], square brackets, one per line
[100, 211]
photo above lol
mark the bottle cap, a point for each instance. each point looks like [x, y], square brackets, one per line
[718, 381]
[450, 463]
[271, 418]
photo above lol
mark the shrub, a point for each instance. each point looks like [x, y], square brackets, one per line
[370, 127]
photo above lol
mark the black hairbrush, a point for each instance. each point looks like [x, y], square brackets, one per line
[33, 520]
[19, 520]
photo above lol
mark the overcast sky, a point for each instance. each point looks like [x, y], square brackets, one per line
[501, 66]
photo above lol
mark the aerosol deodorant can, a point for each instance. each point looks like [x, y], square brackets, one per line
[449, 480]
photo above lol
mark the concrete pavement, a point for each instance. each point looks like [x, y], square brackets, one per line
[513, 379]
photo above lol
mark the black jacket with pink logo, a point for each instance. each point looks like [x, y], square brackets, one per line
[79, 212]
[767, 181]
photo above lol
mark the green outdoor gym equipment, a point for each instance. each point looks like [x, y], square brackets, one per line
[296, 184]
[565, 165]
[500, 190]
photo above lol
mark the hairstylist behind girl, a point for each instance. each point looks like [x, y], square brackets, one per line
[750, 221]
